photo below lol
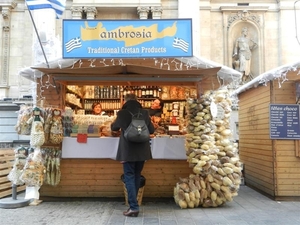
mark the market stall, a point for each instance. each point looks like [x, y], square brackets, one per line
[89, 169]
[269, 132]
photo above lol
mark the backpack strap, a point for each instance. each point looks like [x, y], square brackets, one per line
[130, 112]
[138, 114]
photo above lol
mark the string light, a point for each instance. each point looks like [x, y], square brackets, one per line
[92, 62]
[279, 74]
[103, 62]
[179, 64]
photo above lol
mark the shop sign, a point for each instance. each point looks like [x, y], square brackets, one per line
[127, 38]
[284, 121]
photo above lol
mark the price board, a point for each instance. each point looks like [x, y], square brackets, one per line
[284, 121]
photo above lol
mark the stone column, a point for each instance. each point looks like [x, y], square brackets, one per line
[5, 47]
[76, 12]
[91, 12]
[156, 12]
[143, 11]
[192, 10]
[4, 75]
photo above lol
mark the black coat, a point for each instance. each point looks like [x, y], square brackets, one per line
[132, 151]
[155, 112]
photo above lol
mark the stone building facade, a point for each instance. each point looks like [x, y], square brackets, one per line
[217, 24]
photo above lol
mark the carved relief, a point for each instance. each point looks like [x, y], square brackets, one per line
[6, 11]
[76, 12]
[5, 14]
[91, 12]
[156, 12]
[244, 15]
[143, 11]
[6, 28]
[5, 53]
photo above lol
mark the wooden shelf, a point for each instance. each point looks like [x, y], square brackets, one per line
[89, 110]
[89, 135]
[102, 99]
[73, 92]
[73, 105]
[174, 100]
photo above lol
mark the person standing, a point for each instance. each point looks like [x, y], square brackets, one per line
[156, 108]
[132, 155]
[96, 108]
[242, 50]
[156, 111]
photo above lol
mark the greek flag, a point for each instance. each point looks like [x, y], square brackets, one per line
[181, 44]
[58, 5]
[72, 44]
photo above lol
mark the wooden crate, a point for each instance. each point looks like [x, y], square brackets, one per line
[7, 157]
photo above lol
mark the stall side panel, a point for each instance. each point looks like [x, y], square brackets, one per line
[49, 93]
[255, 145]
[287, 166]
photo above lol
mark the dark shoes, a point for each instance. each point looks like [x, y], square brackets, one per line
[130, 212]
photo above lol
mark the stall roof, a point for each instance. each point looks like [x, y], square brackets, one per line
[279, 73]
[119, 74]
[194, 69]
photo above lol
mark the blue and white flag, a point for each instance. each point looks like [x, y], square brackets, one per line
[181, 44]
[72, 44]
[57, 5]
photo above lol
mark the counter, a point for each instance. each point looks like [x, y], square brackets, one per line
[90, 169]
[106, 148]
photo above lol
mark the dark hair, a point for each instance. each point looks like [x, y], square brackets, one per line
[161, 102]
[130, 96]
[95, 104]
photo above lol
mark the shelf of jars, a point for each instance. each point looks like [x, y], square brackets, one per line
[112, 97]
[105, 103]
[143, 92]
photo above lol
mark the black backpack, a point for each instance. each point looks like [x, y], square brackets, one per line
[137, 131]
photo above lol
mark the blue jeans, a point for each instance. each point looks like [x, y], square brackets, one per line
[132, 178]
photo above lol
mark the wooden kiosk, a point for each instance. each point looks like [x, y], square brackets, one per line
[100, 177]
[271, 165]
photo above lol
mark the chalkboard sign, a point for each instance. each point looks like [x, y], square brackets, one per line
[284, 121]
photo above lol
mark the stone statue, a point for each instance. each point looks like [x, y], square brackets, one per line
[242, 54]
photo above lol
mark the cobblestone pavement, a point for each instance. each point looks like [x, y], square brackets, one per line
[250, 207]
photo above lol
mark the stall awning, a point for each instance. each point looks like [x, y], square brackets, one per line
[290, 71]
[123, 71]
[120, 74]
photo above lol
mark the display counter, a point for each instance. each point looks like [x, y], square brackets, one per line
[90, 169]
[106, 148]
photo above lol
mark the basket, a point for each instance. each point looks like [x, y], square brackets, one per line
[139, 196]
[140, 192]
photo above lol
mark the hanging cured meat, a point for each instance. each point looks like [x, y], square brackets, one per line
[211, 153]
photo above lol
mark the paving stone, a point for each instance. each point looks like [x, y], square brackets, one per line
[248, 208]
